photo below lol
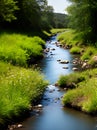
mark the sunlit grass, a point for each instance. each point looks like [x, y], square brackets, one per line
[69, 37]
[83, 96]
[75, 50]
[77, 46]
[19, 87]
[88, 53]
[17, 48]
[57, 30]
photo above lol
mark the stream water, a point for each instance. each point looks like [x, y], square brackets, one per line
[53, 116]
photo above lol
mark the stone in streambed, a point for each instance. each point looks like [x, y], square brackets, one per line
[65, 67]
[74, 69]
[64, 61]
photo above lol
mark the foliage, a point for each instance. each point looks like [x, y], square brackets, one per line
[17, 48]
[83, 18]
[19, 87]
[7, 10]
[47, 18]
[29, 15]
[60, 20]
[25, 14]
[33, 14]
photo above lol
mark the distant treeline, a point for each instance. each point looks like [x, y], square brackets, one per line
[29, 15]
[60, 20]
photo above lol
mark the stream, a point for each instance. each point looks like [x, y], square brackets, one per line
[53, 116]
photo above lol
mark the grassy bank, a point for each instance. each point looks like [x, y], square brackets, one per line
[57, 30]
[81, 86]
[20, 49]
[73, 40]
[19, 88]
[83, 96]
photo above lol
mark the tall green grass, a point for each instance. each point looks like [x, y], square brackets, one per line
[18, 49]
[83, 96]
[88, 53]
[71, 80]
[57, 30]
[19, 87]
[77, 46]
[69, 37]
[75, 50]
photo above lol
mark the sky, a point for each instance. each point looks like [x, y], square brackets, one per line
[59, 5]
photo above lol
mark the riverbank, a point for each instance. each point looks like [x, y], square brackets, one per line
[81, 86]
[86, 51]
[20, 86]
[19, 49]
[55, 116]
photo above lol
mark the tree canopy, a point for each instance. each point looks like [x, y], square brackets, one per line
[34, 14]
[7, 10]
[83, 18]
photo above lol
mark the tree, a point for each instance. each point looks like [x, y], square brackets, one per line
[47, 18]
[83, 18]
[60, 20]
[33, 14]
[7, 9]
[28, 15]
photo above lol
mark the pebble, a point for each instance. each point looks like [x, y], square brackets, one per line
[19, 125]
[39, 106]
